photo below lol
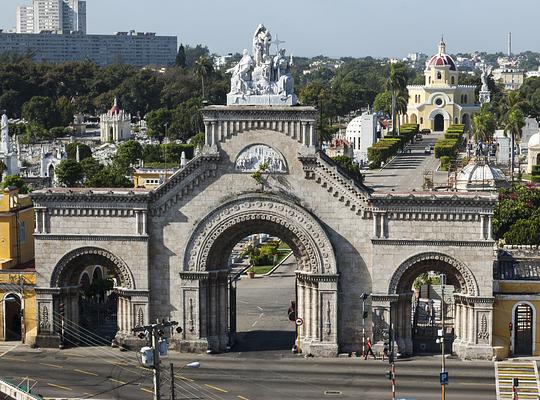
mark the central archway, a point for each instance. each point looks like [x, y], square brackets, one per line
[205, 271]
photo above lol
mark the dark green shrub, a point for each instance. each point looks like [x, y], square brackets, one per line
[536, 169]
[446, 147]
[445, 163]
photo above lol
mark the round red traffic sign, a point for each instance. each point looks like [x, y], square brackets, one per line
[299, 321]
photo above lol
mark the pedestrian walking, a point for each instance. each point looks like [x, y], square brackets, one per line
[369, 350]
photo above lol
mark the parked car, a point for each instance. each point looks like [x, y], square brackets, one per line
[418, 136]
[427, 150]
[425, 130]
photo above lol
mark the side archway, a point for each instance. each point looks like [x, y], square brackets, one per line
[407, 309]
[403, 278]
[68, 269]
[206, 291]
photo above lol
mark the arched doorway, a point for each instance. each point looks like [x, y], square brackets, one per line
[414, 119]
[92, 294]
[524, 325]
[12, 317]
[420, 311]
[206, 302]
[538, 159]
[438, 123]
[466, 120]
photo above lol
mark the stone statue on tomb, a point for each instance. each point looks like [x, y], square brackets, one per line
[486, 71]
[4, 135]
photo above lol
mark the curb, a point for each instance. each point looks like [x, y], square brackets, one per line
[278, 264]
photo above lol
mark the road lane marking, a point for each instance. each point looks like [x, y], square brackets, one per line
[85, 372]
[253, 324]
[77, 355]
[12, 359]
[58, 386]
[184, 378]
[261, 315]
[52, 365]
[7, 351]
[147, 390]
[216, 388]
[117, 381]
[242, 398]
[260, 308]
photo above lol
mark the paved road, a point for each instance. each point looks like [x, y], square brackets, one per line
[105, 373]
[406, 171]
[262, 304]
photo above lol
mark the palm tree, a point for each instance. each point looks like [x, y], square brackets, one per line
[484, 124]
[514, 122]
[203, 68]
[396, 83]
[402, 99]
[512, 112]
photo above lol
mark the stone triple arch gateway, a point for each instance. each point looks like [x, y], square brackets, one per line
[168, 248]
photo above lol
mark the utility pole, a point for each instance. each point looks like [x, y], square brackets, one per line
[443, 368]
[172, 382]
[364, 316]
[156, 331]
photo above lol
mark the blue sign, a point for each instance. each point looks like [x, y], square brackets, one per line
[443, 376]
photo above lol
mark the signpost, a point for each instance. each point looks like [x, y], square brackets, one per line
[299, 322]
[443, 377]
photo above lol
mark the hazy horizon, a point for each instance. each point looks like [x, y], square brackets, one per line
[387, 28]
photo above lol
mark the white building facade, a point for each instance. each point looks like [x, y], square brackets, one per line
[361, 133]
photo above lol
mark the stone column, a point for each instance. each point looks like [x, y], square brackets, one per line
[305, 138]
[489, 228]
[144, 219]
[300, 307]
[313, 135]
[47, 334]
[376, 225]
[44, 220]
[482, 227]
[307, 311]
[315, 329]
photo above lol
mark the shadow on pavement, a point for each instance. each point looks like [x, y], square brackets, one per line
[263, 341]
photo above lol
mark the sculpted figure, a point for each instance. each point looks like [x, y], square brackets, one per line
[261, 44]
[284, 79]
[241, 74]
[4, 134]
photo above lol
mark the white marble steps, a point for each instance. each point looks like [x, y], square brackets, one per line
[527, 374]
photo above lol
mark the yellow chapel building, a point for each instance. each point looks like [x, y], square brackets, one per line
[441, 101]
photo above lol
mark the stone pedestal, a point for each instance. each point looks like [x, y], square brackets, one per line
[484, 96]
[262, 100]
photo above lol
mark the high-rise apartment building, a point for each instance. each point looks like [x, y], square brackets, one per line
[61, 16]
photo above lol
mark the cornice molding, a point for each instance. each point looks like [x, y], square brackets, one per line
[95, 238]
[437, 243]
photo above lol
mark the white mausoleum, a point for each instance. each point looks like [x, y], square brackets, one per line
[115, 126]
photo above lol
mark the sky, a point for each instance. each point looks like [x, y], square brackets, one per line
[335, 28]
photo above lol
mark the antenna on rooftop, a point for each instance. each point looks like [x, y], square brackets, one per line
[509, 44]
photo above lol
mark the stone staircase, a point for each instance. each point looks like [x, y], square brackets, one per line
[527, 374]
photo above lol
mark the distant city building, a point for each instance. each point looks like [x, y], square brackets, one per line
[533, 74]
[52, 16]
[511, 78]
[115, 125]
[533, 154]
[151, 178]
[361, 133]
[132, 48]
[441, 101]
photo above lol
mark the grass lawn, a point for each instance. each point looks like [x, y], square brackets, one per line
[262, 269]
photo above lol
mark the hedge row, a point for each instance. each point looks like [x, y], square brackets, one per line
[456, 128]
[445, 163]
[388, 147]
[535, 175]
[446, 147]
[409, 128]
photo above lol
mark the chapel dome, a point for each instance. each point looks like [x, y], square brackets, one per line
[479, 175]
[115, 109]
[534, 141]
[441, 59]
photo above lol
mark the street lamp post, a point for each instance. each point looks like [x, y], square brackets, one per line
[364, 316]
